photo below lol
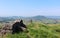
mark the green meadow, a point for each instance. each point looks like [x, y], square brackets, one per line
[38, 30]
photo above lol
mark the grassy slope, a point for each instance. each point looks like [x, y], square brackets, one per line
[39, 30]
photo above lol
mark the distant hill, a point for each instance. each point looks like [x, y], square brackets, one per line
[53, 17]
[44, 19]
[5, 19]
[39, 17]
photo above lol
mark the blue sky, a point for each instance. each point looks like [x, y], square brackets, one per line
[29, 7]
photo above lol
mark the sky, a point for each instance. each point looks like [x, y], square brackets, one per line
[29, 7]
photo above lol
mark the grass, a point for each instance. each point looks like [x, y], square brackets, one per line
[39, 30]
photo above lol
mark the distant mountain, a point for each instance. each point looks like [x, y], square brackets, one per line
[44, 19]
[53, 17]
[38, 17]
[20, 17]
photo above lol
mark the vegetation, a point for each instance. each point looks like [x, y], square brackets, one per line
[38, 30]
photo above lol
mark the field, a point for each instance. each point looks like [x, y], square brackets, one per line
[38, 30]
